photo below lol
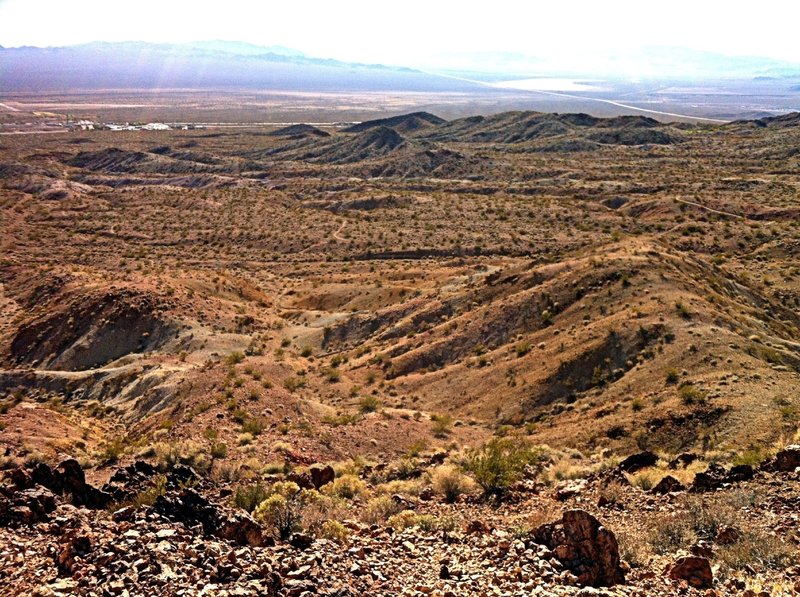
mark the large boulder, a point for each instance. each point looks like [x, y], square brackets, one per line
[69, 479]
[638, 461]
[668, 484]
[683, 460]
[585, 547]
[788, 459]
[321, 474]
[241, 529]
[710, 479]
[694, 570]
[187, 506]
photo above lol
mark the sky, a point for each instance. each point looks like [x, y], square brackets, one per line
[417, 32]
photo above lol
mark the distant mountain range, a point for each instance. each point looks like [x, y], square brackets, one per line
[230, 65]
[213, 64]
[650, 62]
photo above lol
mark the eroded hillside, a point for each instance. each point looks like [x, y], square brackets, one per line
[601, 286]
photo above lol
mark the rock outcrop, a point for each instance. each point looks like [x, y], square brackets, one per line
[585, 547]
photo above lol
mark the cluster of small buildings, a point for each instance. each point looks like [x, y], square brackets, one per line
[90, 125]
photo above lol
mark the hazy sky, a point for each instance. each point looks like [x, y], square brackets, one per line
[412, 31]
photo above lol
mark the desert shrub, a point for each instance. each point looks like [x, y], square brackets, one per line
[402, 520]
[346, 487]
[228, 472]
[339, 420]
[690, 394]
[146, 497]
[247, 497]
[280, 513]
[379, 509]
[294, 383]
[671, 376]
[406, 519]
[668, 533]
[218, 450]
[753, 456]
[253, 426]
[333, 530]
[369, 404]
[441, 425]
[407, 487]
[449, 482]
[757, 546]
[281, 447]
[186, 452]
[701, 517]
[645, 480]
[234, 358]
[306, 351]
[332, 375]
[113, 450]
[683, 310]
[499, 463]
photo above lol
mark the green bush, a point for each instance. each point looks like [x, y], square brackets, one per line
[247, 497]
[219, 450]
[690, 394]
[441, 425]
[369, 404]
[500, 463]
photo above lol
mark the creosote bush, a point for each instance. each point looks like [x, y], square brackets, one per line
[247, 497]
[500, 463]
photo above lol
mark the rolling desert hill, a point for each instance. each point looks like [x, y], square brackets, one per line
[202, 319]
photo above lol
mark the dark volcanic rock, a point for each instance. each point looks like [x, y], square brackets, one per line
[683, 460]
[188, 507]
[668, 484]
[638, 461]
[710, 479]
[788, 459]
[321, 474]
[71, 480]
[585, 547]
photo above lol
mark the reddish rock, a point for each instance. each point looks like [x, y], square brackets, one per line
[728, 536]
[241, 529]
[694, 570]
[585, 547]
[477, 527]
[76, 546]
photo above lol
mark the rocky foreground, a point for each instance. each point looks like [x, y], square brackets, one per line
[145, 533]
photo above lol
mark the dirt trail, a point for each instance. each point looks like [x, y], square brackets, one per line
[710, 209]
[336, 234]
